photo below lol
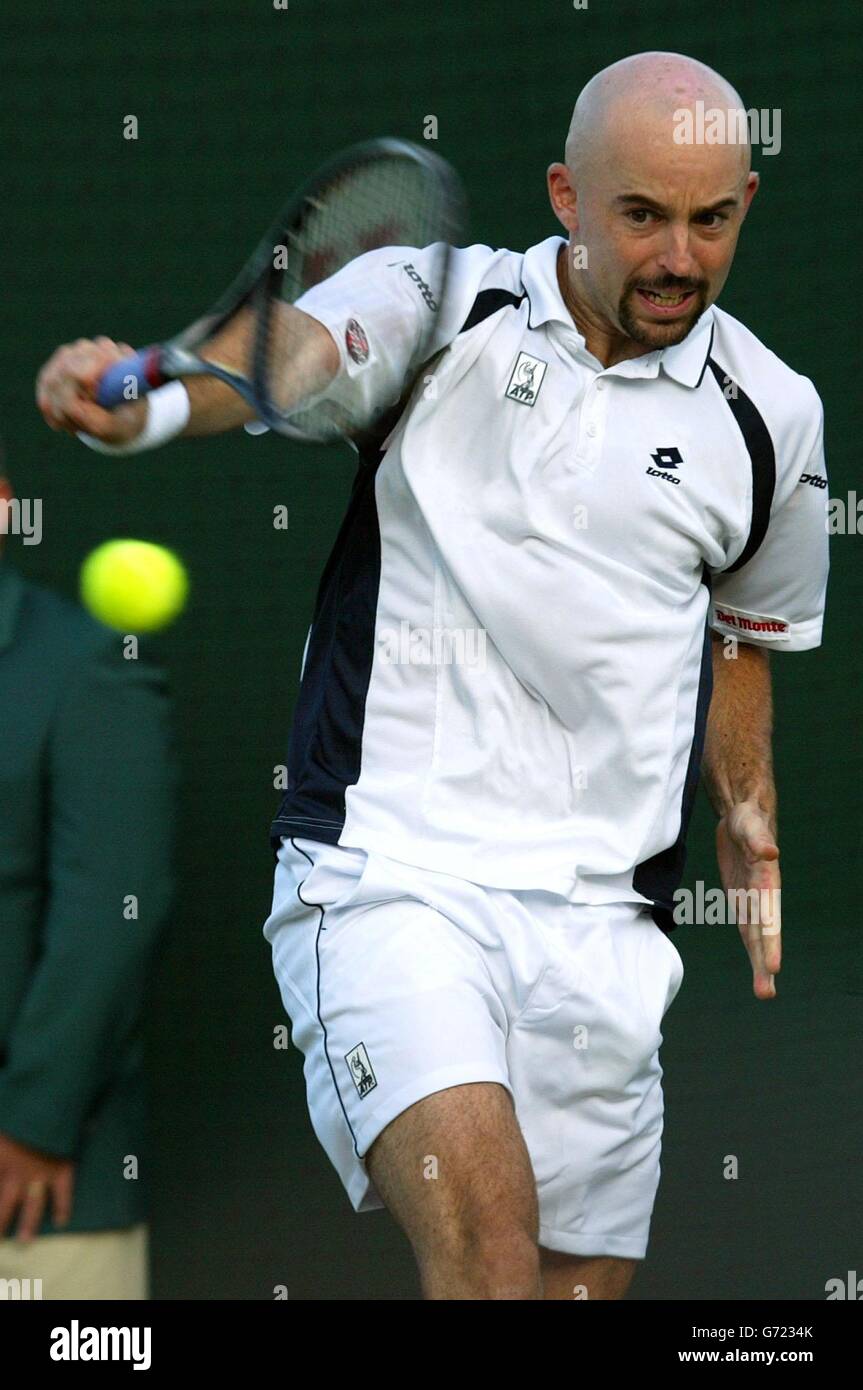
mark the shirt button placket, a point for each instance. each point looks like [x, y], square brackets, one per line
[592, 417]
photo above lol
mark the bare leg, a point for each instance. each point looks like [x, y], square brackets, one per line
[455, 1173]
[584, 1276]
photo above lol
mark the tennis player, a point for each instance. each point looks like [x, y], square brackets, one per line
[604, 499]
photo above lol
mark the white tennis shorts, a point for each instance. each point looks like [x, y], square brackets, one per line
[400, 982]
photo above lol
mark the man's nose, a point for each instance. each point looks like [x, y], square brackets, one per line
[676, 256]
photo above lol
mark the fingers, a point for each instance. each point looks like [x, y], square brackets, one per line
[771, 930]
[82, 414]
[763, 985]
[749, 863]
[767, 927]
[764, 958]
[67, 383]
[758, 916]
[30, 1197]
[31, 1194]
[32, 1210]
[61, 1194]
[63, 382]
[762, 979]
[10, 1196]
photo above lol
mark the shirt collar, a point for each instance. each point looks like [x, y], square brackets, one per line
[539, 277]
[685, 362]
[11, 592]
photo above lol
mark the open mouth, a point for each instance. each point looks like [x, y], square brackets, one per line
[665, 303]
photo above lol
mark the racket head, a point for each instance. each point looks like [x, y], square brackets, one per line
[382, 192]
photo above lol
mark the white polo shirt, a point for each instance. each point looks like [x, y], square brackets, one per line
[508, 671]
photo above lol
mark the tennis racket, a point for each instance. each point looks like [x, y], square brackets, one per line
[379, 193]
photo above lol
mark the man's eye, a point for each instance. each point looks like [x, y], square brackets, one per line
[712, 219]
[640, 215]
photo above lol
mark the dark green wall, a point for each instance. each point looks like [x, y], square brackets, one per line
[236, 102]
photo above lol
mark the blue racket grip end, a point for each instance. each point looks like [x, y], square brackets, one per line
[130, 378]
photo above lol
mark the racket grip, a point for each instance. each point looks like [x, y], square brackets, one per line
[144, 368]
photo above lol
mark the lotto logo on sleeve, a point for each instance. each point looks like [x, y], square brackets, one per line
[421, 284]
[753, 624]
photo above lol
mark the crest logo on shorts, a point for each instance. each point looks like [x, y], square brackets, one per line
[361, 1069]
[356, 341]
[526, 379]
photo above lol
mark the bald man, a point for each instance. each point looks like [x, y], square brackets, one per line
[625, 135]
[614, 496]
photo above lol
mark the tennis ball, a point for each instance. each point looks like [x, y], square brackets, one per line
[133, 586]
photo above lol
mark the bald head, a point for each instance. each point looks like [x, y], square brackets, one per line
[653, 194]
[637, 95]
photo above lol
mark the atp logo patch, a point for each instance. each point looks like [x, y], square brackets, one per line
[526, 379]
[360, 1069]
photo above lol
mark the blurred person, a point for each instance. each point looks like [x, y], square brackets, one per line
[87, 792]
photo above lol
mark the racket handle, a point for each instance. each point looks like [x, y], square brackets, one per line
[144, 368]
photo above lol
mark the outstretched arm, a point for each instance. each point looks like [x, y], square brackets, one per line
[738, 774]
[67, 383]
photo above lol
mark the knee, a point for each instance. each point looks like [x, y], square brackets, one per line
[585, 1276]
[613, 1277]
[485, 1259]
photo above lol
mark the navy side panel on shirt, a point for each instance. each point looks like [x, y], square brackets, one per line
[762, 456]
[326, 737]
[325, 751]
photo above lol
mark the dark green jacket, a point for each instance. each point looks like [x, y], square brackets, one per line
[87, 796]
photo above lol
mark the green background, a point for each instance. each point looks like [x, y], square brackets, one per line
[236, 102]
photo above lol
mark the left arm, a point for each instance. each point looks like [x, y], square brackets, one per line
[738, 776]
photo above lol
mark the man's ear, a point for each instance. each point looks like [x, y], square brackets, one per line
[753, 183]
[562, 196]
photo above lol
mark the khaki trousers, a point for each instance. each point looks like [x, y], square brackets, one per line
[90, 1264]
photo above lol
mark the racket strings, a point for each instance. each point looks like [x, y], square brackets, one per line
[386, 202]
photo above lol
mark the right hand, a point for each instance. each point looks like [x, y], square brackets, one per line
[66, 387]
[27, 1178]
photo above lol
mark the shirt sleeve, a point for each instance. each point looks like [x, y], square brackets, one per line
[378, 309]
[777, 598]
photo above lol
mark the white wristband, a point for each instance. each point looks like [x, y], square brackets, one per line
[168, 411]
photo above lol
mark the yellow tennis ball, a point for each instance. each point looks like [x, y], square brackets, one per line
[133, 586]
